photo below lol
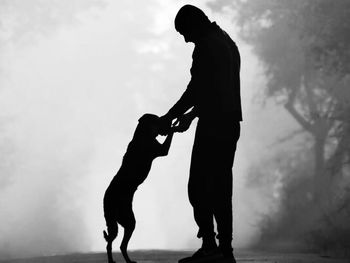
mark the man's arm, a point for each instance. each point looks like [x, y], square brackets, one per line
[185, 102]
[180, 107]
[200, 72]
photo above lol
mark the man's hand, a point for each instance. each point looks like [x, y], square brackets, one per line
[182, 123]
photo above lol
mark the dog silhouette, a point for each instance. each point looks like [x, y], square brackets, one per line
[136, 164]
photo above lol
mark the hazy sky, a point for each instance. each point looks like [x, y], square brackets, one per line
[70, 100]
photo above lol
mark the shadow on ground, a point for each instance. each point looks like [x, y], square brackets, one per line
[161, 256]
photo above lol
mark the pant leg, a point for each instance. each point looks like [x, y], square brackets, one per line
[222, 181]
[198, 191]
[210, 183]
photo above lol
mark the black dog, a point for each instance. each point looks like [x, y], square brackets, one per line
[137, 161]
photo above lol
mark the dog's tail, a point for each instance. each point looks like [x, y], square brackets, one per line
[105, 235]
[111, 233]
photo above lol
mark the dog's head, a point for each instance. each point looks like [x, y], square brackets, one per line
[149, 119]
[148, 125]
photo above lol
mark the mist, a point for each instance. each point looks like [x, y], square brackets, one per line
[74, 81]
[303, 49]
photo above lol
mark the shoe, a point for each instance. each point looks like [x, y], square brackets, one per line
[227, 252]
[204, 255]
[228, 260]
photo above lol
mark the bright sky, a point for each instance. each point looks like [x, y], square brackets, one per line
[73, 100]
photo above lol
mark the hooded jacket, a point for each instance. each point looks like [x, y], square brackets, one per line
[214, 89]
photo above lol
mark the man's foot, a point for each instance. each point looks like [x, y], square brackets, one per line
[204, 255]
[227, 260]
[227, 255]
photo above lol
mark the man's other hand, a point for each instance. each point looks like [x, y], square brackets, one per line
[182, 123]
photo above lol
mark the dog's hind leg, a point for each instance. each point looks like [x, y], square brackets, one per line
[112, 234]
[128, 230]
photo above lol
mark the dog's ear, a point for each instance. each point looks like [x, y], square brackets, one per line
[142, 118]
[148, 117]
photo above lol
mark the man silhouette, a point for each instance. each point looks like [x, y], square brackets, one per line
[212, 95]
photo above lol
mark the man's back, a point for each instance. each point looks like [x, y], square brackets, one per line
[216, 62]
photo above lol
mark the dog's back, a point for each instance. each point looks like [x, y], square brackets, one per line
[137, 161]
[136, 164]
[117, 202]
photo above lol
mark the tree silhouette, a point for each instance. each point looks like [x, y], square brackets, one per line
[305, 48]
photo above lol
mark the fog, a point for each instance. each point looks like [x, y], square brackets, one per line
[74, 79]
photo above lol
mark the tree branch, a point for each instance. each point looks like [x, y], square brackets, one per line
[300, 119]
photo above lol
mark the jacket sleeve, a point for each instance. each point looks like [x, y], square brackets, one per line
[185, 102]
[199, 73]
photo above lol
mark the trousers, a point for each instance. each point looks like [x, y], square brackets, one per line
[210, 180]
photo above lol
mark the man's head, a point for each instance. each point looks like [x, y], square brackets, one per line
[191, 22]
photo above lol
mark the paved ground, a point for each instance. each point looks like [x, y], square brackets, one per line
[173, 256]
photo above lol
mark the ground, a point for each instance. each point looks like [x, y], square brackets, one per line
[173, 256]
